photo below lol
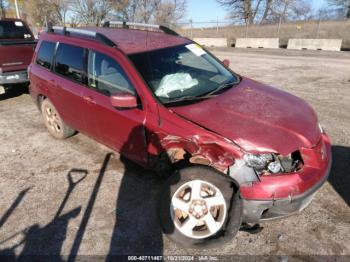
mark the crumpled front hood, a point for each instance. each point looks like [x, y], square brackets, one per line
[257, 117]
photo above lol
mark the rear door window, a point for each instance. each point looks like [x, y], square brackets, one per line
[45, 54]
[106, 76]
[14, 30]
[70, 62]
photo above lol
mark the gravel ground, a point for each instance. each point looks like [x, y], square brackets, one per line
[75, 197]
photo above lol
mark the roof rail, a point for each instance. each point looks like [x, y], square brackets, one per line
[81, 32]
[127, 25]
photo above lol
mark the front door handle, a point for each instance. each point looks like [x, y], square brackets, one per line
[89, 100]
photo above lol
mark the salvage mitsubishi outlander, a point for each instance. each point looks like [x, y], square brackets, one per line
[234, 150]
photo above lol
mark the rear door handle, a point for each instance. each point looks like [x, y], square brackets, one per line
[89, 100]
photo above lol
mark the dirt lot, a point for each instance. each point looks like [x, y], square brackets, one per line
[112, 209]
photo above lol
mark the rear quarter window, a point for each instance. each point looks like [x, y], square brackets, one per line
[45, 54]
[70, 62]
[14, 30]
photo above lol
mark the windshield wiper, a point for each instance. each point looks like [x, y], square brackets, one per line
[220, 88]
[201, 97]
[185, 98]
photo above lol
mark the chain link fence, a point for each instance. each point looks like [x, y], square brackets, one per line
[285, 31]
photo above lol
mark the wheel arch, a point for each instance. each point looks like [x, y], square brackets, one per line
[39, 99]
[179, 157]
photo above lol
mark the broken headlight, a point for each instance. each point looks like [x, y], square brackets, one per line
[272, 163]
[256, 161]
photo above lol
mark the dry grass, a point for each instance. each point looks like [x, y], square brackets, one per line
[327, 29]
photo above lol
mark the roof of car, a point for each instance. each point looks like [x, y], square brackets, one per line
[132, 41]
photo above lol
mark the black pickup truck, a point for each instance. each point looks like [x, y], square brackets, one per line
[17, 45]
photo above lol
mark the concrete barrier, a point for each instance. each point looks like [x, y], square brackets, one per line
[257, 42]
[217, 42]
[315, 44]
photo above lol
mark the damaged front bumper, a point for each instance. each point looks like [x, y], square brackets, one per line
[255, 211]
[277, 196]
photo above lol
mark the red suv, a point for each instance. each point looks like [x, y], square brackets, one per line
[17, 45]
[248, 152]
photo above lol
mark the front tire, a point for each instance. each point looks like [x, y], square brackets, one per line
[200, 207]
[53, 121]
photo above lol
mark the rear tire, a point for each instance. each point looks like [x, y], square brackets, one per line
[53, 121]
[207, 219]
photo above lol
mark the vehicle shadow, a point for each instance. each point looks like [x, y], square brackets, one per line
[339, 177]
[15, 91]
[39, 241]
[137, 229]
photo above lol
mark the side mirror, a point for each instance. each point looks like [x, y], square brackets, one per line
[226, 63]
[123, 100]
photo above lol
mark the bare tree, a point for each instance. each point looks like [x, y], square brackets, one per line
[147, 8]
[243, 10]
[285, 10]
[152, 11]
[342, 5]
[3, 5]
[92, 12]
[262, 11]
[170, 12]
[43, 11]
[60, 9]
[266, 11]
[126, 9]
[11, 9]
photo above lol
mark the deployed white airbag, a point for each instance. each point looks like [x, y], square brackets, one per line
[175, 82]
